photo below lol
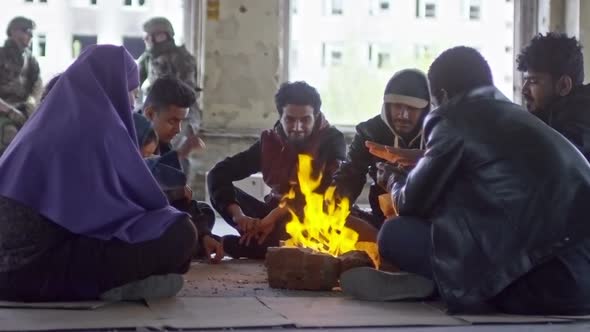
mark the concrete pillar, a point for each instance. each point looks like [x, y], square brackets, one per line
[572, 17]
[242, 64]
[584, 17]
[565, 17]
[195, 15]
[526, 26]
[544, 15]
[557, 15]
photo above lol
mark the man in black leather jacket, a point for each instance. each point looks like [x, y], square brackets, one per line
[553, 90]
[495, 213]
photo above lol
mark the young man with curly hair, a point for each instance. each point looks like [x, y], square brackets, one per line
[301, 128]
[553, 67]
[493, 216]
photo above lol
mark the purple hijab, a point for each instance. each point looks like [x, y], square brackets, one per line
[76, 161]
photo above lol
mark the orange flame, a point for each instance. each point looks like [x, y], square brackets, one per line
[322, 228]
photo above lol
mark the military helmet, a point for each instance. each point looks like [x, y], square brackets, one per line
[21, 23]
[158, 24]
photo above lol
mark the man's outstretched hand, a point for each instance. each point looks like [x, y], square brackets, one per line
[262, 228]
[211, 247]
[402, 157]
[192, 143]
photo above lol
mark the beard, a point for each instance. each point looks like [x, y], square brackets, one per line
[529, 104]
[298, 141]
[403, 126]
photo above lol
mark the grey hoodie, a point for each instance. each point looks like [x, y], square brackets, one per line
[410, 87]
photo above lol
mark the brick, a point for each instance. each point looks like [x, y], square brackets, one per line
[301, 269]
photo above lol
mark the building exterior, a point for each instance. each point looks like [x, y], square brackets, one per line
[346, 48]
[65, 27]
[349, 49]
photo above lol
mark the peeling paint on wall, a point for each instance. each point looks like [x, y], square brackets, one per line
[227, 29]
[242, 60]
[242, 66]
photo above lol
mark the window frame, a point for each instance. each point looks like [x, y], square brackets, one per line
[421, 11]
[328, 8]
[36, 44]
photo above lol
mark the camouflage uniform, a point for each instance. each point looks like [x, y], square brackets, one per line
[167, 59]
[20, 84]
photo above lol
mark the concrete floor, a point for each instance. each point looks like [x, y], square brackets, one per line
[235, 291]
[235, 278]
[581, 327]
[246, 278]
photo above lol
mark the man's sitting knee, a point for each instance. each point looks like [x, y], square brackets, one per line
[186, 235]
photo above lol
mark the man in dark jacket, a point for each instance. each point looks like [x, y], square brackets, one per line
[301, 129]
[553, 90]
[166, 107]
[406, 102]
[496, 211]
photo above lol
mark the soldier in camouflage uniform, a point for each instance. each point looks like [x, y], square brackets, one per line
[20, 80]
[163, 58]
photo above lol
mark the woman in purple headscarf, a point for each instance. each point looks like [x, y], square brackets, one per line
[81, 216]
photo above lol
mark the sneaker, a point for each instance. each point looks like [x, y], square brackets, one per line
[368, 284]
[153, 287]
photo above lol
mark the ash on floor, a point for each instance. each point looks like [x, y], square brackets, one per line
[235, 278]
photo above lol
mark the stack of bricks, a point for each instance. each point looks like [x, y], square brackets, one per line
[304, 269]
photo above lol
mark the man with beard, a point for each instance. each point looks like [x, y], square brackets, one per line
[397, 130]
[301, 129]
[494, 213]
[20, 80]
[553, 90]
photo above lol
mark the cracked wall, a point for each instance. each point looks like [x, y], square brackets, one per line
[242, 63]
[241, 75]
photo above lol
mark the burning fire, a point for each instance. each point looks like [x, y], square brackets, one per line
[323, 226]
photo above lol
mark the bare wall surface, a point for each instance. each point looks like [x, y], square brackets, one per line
[585, 35]
[242, 64]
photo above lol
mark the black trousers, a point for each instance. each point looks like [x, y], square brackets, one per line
[201, 213]
[559, 286]
[254, 208]
[81, 268]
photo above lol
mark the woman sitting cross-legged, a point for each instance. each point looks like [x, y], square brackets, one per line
[81, 217]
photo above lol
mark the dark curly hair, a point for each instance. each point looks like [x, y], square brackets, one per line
[457, 70]
[297, 93]
[168, 91]
[553, 53]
